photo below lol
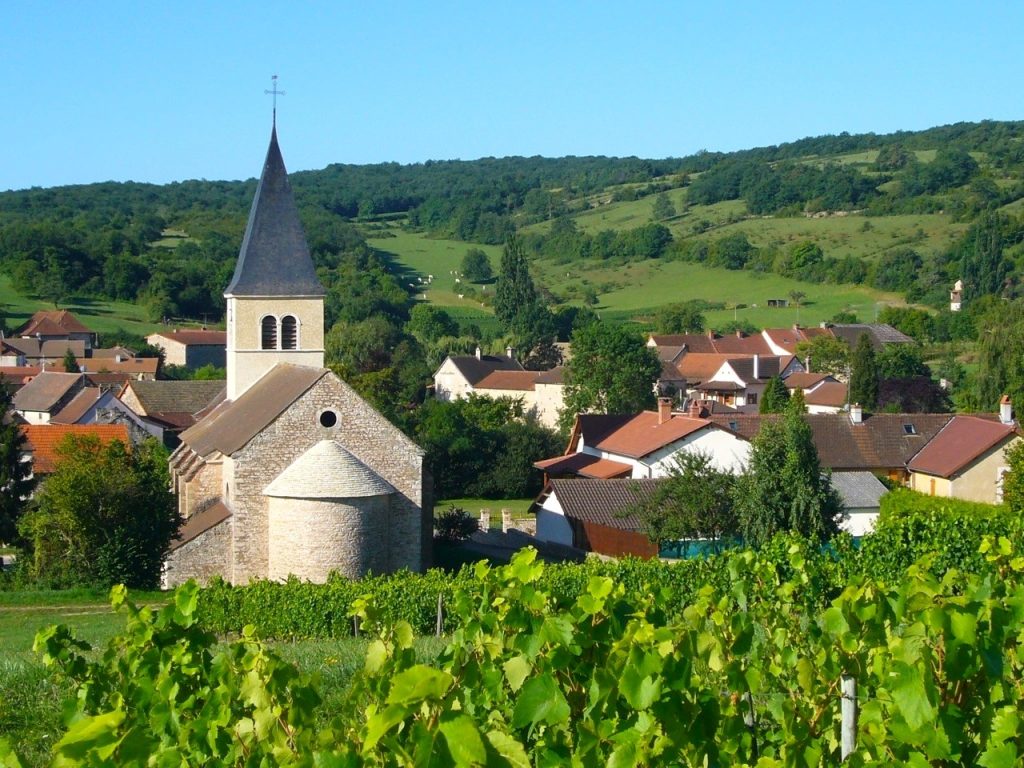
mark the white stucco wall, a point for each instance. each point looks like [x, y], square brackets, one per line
[552, 524]
[727, 451]
[449, 383]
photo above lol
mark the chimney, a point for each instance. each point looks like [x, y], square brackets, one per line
[694, 409]
[664, 409]
[856, 414]
[757, 366]
[510, 352]
[1005, 410]
[478, 352]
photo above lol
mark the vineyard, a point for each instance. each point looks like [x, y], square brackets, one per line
[550, 665]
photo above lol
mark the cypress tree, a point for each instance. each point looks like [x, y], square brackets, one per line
[864, 374]
[16, 482]
[775, 396]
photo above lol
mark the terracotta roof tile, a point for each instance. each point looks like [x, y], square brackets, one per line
[192, 337]
[963, 440]
[641, 435]
[519, 381]
[43, 440]
[145, 366]
[554, 376]
[48, 322]
[696, 367]
[828, 393]
[804, 380]
[78, 407]
[584, 465]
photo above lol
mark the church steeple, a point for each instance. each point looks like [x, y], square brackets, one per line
[275, 302]
[274, 259]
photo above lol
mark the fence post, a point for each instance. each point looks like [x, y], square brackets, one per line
[485, 520]
[849, 711]
[440, 613]
[355, 626]
[751, 722]
[506, 520]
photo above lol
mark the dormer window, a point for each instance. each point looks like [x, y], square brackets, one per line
[289, 332]
[268, 332]
[909, 429]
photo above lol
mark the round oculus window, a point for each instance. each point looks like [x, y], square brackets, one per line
[328, 419]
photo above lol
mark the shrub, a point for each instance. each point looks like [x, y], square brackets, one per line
[454, 524]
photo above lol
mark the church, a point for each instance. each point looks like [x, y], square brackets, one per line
[292, 472]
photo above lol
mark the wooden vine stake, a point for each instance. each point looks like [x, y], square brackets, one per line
[849, 712]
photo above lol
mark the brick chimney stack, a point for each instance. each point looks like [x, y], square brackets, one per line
[664, 409]
[694, 410]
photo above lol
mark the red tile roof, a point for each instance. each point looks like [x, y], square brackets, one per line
[133, 365]
[52, 323]
[804, 380]
[194, 337]
[585, 465]
[828, 393]
[520, 381]
[962, 441]
[43, 439]
[696, 367]
[640, 435]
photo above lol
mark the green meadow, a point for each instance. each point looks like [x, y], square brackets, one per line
[99, 315]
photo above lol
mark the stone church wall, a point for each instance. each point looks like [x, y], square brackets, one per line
[206, 556]
[367, 435]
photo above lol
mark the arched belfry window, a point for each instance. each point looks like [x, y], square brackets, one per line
[268, 332]
[289, 332]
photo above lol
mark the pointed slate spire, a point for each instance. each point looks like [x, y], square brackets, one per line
[274, 259]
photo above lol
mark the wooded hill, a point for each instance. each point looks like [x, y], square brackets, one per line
[908, 212]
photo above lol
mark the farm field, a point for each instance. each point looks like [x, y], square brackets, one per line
[100, 316]
[634, 291]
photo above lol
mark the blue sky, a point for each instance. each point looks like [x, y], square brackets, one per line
[167, 91]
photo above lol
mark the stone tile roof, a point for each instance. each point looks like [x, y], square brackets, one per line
[637, 435]
[42, 440]
[767, 366]
[200, 523]
[328, 471]
[879, 333]
[881, 441]
[234, 423]
[963, 440]
[553, 376]
[134, 366]
[473, 369]
[46, 390]
[52, 348]
[858, 489]
[175, 397]
[605, 502]
[584, 465]
[78, 407]
[274, 259]
[518, 381]
[193, 337]
[51, 323]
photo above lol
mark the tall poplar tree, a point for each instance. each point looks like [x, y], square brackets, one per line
[864, 373]
[16, 481]
[514, 291]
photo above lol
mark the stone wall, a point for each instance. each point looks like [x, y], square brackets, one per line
[198, 492]
[206, 556]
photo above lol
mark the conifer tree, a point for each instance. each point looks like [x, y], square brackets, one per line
[775, 396]
[864, 374]
[16, 482]
[70, 362]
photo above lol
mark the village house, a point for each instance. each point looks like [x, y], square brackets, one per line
[542, 392]
[293, 472]
[42, 441]
[967, 458]
[191, 348]
[57, 325]
[46, 394]
[171, 406]
[822, 392]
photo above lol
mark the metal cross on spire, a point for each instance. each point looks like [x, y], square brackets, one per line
[275, 93]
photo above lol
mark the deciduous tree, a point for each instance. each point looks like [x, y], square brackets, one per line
[476, 266]
[611, 371]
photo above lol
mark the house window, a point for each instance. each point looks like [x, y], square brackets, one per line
[328, 419]
[752, 399]
[909, 429]
[268, 332]
[289, 332]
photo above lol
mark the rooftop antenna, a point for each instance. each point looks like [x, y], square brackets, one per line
[275, 93]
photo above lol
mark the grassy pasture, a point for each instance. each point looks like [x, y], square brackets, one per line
[101, 316]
